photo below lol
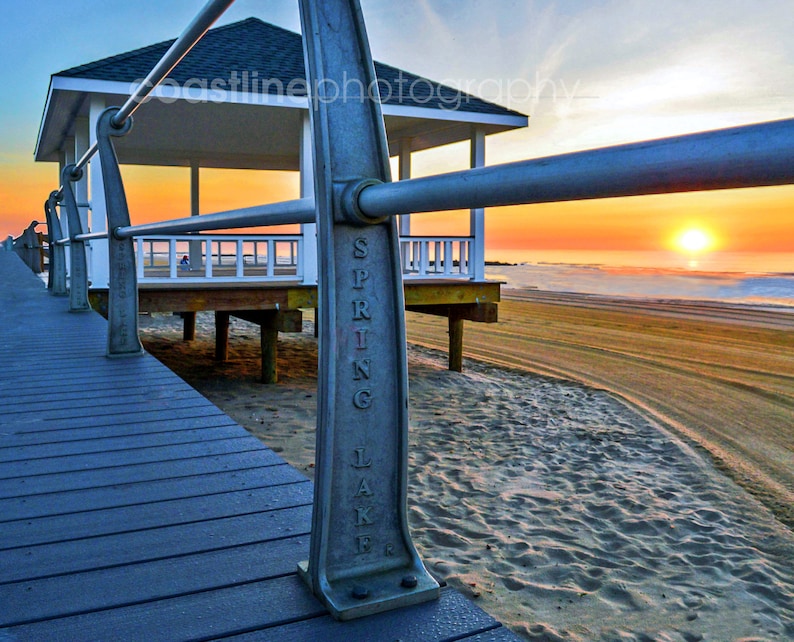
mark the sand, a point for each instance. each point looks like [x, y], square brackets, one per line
[721, 376]
[566, 512]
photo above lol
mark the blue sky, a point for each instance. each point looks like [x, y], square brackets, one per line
[622, 67]
[589, 73]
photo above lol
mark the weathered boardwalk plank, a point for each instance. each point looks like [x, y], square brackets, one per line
[124, 519]
[132, 508]
[130, 494]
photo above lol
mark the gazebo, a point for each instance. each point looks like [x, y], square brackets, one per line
[239, 100]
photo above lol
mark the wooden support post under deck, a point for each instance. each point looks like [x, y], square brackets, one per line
[268, 338]
[270, 323]
[221, 336]
[189, 328]
[455, 342]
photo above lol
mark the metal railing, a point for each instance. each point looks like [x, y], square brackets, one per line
[223, 258]
[32, 248]
[362, 559]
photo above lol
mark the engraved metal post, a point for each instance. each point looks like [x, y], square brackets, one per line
[78, 269]
[123, 292]
[57, 252]
[362, 559]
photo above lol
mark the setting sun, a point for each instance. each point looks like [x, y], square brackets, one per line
[694, 240]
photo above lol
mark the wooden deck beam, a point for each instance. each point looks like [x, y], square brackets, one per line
[456, 300]
[457, 313]
[247, 296]
[477, 312]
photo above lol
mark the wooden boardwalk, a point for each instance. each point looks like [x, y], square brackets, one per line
[131, 508]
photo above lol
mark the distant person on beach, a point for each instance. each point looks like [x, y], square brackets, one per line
[184, 264]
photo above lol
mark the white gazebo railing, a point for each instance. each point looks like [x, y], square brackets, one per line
[426, 257]
[222, 258]
[230, 258]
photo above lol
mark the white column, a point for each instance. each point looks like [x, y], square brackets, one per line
[67, 159]
[404, 174]
[63, 161]
[194, 188]
[98, 263]
[81, 143]
[81, 138]
[63, 158]
[195, 201]
[477, 215]
[308, 230]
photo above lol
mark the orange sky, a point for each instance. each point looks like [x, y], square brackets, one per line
[760, 219]
[605, 74]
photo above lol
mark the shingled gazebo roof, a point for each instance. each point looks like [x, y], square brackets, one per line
[256, 122]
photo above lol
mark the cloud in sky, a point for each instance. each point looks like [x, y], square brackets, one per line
[607, 71]
[588, 73]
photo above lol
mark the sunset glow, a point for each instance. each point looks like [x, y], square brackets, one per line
[588, 80]
[695, 240]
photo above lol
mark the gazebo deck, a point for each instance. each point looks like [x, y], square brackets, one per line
[132, 508]
[179, 296]
[277, 306]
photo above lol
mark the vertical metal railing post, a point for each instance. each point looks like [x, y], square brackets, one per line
[57, 254]
[78, 261]
[362, 559]
[123, 338]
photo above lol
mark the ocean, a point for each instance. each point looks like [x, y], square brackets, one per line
[765, 279]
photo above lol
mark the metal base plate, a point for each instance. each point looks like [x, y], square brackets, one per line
[353, 597]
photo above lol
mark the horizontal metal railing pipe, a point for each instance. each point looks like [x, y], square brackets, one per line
[80, 164]
[749, 156]
[90, 236]
[182, 45]
[298, 211]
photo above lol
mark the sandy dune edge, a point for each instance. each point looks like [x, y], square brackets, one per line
[568, 515]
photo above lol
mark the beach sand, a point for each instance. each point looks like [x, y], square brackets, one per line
[563, 510]
[721, 376]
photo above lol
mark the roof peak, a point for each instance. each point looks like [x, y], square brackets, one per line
[274, 56]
